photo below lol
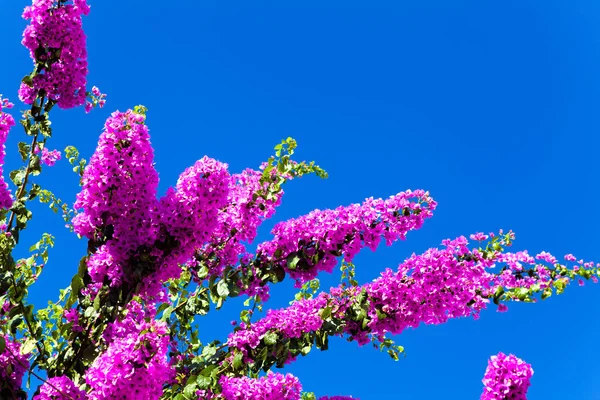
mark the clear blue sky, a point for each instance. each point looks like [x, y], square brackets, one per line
[489, 105]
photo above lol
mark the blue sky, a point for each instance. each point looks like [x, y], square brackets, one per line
[491, 106]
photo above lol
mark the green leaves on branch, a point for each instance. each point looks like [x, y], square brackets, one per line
[348, 273]
[72, 154]
[308, 290]
[55, 204]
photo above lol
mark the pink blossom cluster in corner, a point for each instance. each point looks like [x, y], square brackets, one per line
[239, 221]
[506, 377]
[60, 388]
[56, 43]
[8, 363]
[118, 195]
[6, 122]
[49, 157]
[135, 361]
[270, 387]
[345, 231]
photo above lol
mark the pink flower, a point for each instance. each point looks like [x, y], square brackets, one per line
[63, 75]
[118, 197]
[67, 390]
[13, 364]
[270, 387]
[48, 157]
[135, 361]
[506, 377]
[6, 122]
[96, 98]
[479, 236]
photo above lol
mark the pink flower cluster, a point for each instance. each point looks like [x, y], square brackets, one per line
[96, 98]
[506, 377]
[11, 369]
[72, 317]
[190, 212]
[56, 43]
[48, 157]
[515, 273]
[239, 221]
[291, 322]
[123, 218]
[429, 288]
[60, 388]
[269, 387]
[135, 361]
[6, 122]
[118, 195]
[345, 230]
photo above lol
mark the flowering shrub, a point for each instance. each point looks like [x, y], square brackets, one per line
[124, 327]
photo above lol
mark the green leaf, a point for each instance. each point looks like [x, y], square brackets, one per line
[89, 312]
[76, 285]
[222, 289]
[271, 338]
[2, 344]
[203, 382]
[167, 313]
[292, 260]
[238, 360]
[28, 346]
[325, 313]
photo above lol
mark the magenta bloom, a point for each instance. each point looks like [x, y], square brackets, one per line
[189, 212]
[270, 387]
[239, 220]
[12, 370]
[118, 195]
[67, 390]
[49, 157]
[135, 361]
[302, 316]
[6, 122]
[325, 235]
[506, 377]
[55, 38]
